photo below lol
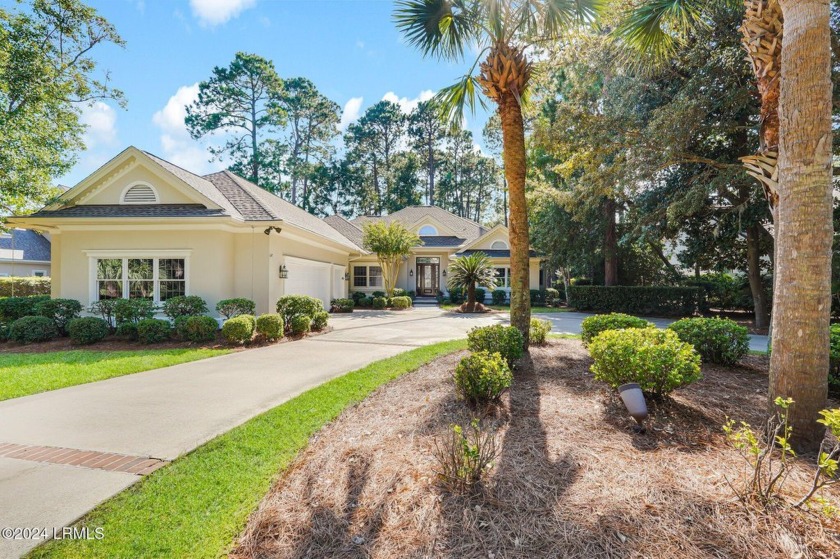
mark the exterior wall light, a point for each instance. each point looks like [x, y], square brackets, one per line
[411, 273]
[284, 272]
[444, 272]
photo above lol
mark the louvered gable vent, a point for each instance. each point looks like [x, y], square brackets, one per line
[140, 194]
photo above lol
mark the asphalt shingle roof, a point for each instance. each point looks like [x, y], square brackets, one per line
[492, 253]
[442, 241]
[346, 228]
[465, 228]
[22, 244]
[132, 210]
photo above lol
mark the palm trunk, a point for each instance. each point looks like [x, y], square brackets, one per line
[471, 297]
[513, 133]
[610, 245]
[759, 295]
[800, 358]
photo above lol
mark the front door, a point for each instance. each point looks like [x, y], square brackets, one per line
[427, 279]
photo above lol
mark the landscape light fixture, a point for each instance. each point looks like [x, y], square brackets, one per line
[284, 272]
[634, 400]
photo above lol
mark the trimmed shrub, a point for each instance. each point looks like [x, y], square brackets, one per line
[300, 325]
[399, 292]
[230, 308]
[594, 325]
[537, 297]
[539, 331]
[552, 297]
[184, 305]
[499, 296]
[239, 329]
[291, 306]
[4, 331]
[106, 309]
[716, 340]
[60, 311]
[655, 359]
[358, 297]
[133, 310]
[153, 330]
[320, 320]
[480, 294]
[197, 328]
[456, 295]
[401, 303]
[32, 329]
[342, 305]
[376, 294]
[24, 286]
[662, 301]
[13, 308]
[270, 326]
[482, 377]
[127, 330]
[506, 340]
[379, 302]
[87, 330]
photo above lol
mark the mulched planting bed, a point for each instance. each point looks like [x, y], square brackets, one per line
[572, 478]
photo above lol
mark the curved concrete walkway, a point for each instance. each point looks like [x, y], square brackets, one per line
[165, 413]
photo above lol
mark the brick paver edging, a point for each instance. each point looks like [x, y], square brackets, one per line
[109, 461]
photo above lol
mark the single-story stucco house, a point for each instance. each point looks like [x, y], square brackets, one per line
[24, 253]
[140, 226]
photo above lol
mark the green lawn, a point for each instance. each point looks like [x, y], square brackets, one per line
[22, 374]
[196, 506]
[506, 308]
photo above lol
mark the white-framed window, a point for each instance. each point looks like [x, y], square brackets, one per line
[428, 231]
[140, 277]
[502, 277]
[39, 273]
[499, 245]
[139, 193]
[367, 276]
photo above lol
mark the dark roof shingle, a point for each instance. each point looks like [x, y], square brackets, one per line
[132, 210]
[493, 253]
[442, 241]
[22, 244]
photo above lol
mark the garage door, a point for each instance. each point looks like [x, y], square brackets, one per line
[308, 277]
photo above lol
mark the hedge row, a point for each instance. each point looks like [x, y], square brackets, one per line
[24, 287]
[662, 301]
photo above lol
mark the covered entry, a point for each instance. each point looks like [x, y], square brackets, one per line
[428, 276]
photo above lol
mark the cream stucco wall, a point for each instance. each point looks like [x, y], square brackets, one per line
[167, 194]
[23, 269]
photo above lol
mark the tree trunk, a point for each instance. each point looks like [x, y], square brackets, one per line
[513, 132]
[431, 165]
[799, 362]
[759, 295]
[610, 245]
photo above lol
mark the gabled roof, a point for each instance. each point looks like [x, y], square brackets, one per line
[441, 241]
[139, 210]
[493, 253]
[22, 244]
[346, 228]
[463, 227]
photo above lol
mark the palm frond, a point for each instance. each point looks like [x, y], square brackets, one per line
[442, 28]
[656, 27]
[455, 98]
[549, 18]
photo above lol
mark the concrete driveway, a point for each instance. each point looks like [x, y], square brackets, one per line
[65, 451]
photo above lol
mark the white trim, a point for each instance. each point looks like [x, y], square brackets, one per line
[139, 183]
[125, 256]
[139, 253]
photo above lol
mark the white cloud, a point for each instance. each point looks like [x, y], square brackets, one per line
[407, 105]
[215, 12]
[351, 111]
[176, 142]
[101, 122]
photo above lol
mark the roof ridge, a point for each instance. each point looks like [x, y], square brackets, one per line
[174, 165]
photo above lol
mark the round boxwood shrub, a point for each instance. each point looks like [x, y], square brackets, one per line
[13, 308]
[300, 325]
[127, 330]
[230, 308]
[133, 310]
[655, 359]
[184, 305]
[197, 328]
[401, 303]
[482, 377]
[505, 340]
[32, 329]
[87, 330]
[320, 320]
[60, 311]
[239, 329]
[342, 305]
[499, 296]
[594, 325]
[290, 306]
[153, 330]
[717, 340]
[270, 326]
[379, 302]
[539, 331]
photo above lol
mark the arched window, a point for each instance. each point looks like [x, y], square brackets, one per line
[428, 231]
[140, 193]
[499, 245]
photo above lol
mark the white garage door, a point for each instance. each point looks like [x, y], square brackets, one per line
[308, 277]
[339, 286]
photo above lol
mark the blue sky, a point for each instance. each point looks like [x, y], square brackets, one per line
[350, 49]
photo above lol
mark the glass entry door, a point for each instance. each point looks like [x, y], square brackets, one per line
[427, 276]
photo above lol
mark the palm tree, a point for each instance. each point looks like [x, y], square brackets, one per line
[800, 173]
[503, 31]
[469, 271]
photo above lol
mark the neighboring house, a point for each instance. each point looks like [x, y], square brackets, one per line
[141, 227]
[24, 253]
[444, 236]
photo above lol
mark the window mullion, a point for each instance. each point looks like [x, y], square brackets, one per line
[156, 280]
[125, 278]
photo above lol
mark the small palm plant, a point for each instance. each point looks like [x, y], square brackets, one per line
[471, 271]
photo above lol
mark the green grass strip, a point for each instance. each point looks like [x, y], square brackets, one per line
[22, 374]
[196, 506]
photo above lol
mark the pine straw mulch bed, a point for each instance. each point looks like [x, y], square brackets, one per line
[572, 478]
